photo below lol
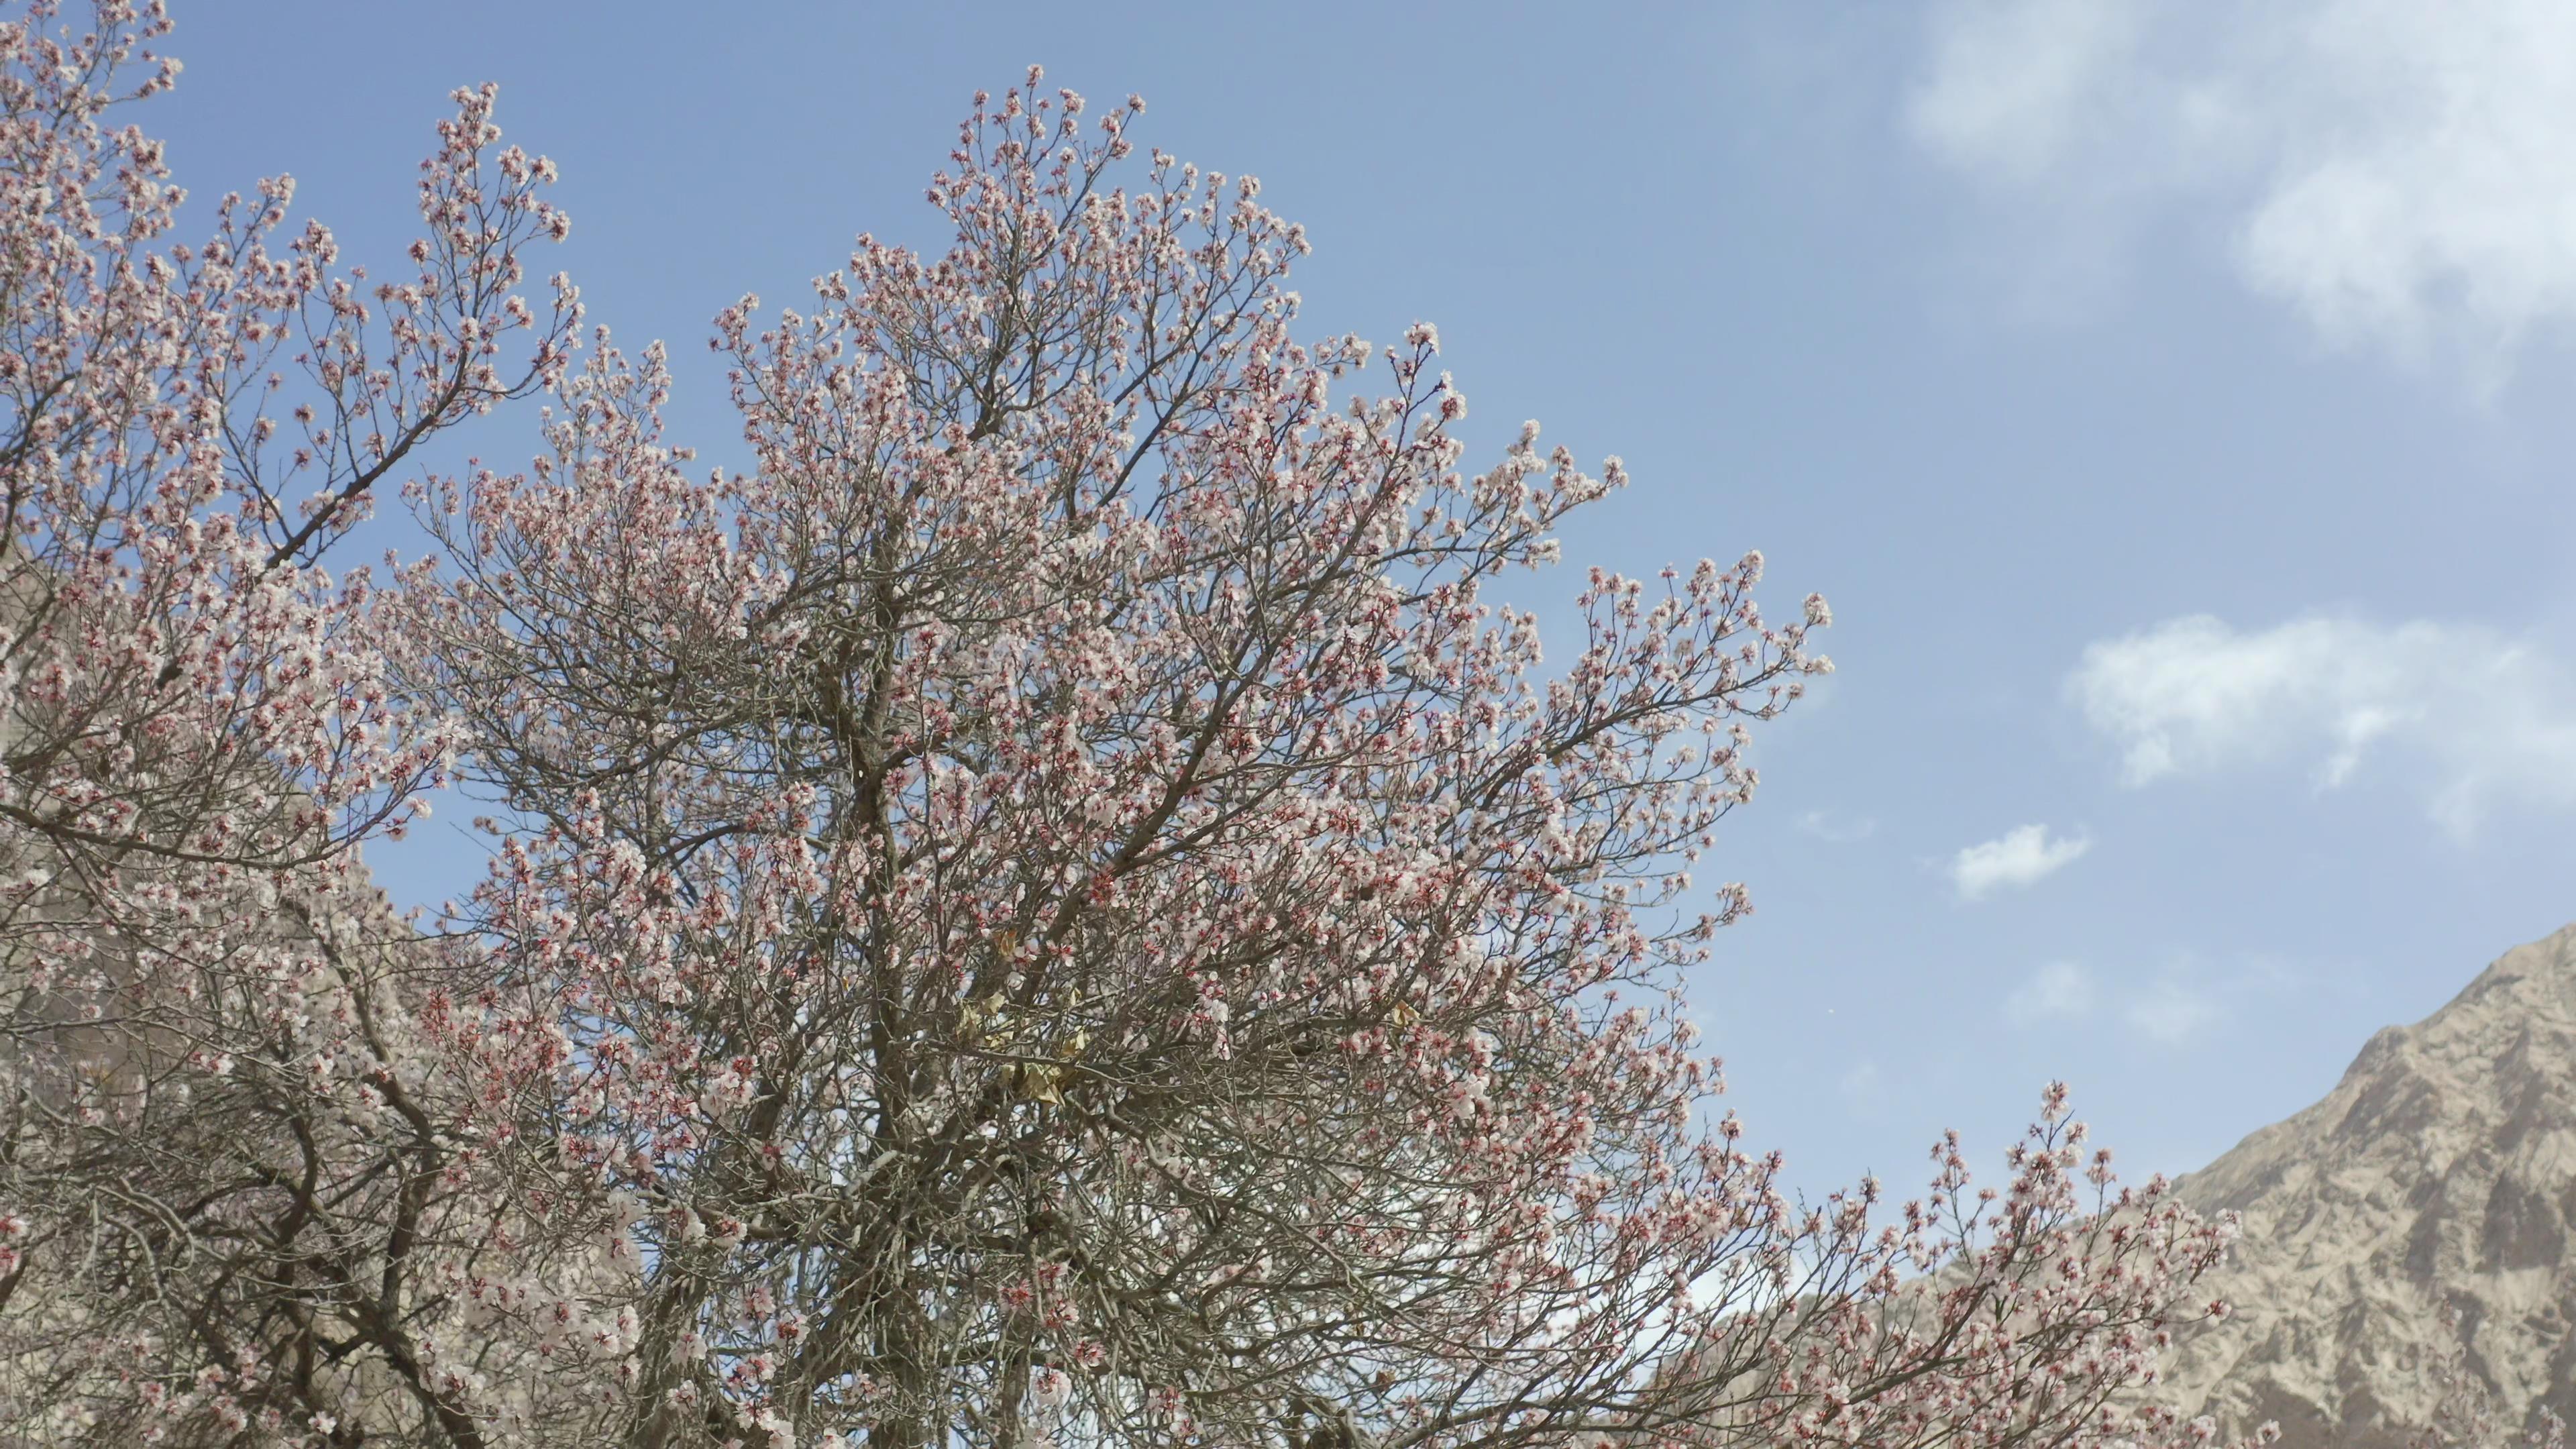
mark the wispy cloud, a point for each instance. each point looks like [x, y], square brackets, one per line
[2018, 859]
[2171, 1011]
[1826, 827]
[2398, 174]
[2178, 1004]
[1861, 1089]
[2058, 991]
[2010, 87]
[2481, 717]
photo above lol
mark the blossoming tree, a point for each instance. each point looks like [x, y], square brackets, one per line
[213, 1167]
[1057, 905]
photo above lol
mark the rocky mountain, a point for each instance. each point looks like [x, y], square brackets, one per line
[2439, 1174]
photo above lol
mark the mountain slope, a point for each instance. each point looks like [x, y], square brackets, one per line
[2439, 1173]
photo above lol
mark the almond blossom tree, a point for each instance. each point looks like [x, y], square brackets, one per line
[1059, 905]
[218, 1164]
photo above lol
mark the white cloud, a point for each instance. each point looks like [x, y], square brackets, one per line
[2020, 857]
[2058, 991]
[1837, 832]
[2398, 172]
[2475, 716]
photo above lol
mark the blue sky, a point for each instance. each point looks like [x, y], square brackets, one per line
[2169, 399]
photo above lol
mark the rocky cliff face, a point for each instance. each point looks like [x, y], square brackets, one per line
[2440, 1173]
